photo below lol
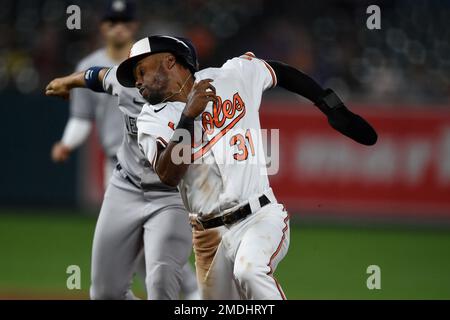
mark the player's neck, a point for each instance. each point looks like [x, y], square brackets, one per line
[187, 88]
[118, 54]
[184, 86]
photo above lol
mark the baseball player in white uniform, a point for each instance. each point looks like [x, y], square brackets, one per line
[137, 208]
[200, 131]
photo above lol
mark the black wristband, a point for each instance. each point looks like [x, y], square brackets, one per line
[330, 101]
[185, 124]
[91, 79]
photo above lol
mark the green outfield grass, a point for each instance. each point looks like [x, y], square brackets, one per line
[322, 263]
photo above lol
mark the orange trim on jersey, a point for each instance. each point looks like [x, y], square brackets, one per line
[214, 140]
[164, 142]
[171, 125]
[249, 55]
[155, 157]
[246, 57]
[270, 273]
[152, 163]
[272, 73]
[278, 287]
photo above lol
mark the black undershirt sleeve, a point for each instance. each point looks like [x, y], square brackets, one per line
[296, 81]
[339, 117]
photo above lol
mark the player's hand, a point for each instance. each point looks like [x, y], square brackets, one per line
[201, 93]
[352, 126]
[58, 87]
[60, 152]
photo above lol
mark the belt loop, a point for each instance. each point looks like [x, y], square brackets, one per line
[195, 222]
[254, 204]
[270, 195]
[199, 223]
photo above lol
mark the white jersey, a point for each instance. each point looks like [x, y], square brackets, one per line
[229, 161]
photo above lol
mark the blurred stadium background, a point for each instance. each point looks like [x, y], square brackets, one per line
[351, 206]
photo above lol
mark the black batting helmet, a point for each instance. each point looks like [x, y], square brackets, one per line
[182, 48]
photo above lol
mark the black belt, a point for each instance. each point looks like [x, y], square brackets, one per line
[233, 217]
[119, 168]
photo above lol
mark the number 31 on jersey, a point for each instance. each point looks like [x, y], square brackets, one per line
[242, 143]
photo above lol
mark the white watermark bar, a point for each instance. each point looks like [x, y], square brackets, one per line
[237, 147]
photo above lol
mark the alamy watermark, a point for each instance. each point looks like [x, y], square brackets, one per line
[373, 22]
[374, 280]
[73, 21]
[73, 281]
[237, 147]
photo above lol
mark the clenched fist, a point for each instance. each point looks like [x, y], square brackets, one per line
[60, 152]
[58, 87]
[201, 93]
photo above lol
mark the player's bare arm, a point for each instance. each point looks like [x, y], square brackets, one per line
[60, 87]
[339, 117]
[200, 95]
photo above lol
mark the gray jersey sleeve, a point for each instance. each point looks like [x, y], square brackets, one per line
[110, 83]
[82, 101]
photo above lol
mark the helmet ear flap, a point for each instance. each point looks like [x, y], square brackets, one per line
[191, 56]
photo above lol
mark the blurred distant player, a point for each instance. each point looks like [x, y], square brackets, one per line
[118, 28]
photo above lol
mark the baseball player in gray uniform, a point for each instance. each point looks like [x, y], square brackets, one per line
[118, 29]
[121, 221]
[86, 107]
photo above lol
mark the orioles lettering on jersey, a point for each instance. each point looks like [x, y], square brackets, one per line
[225, 115]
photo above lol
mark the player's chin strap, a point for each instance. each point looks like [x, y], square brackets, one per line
[179, 91]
